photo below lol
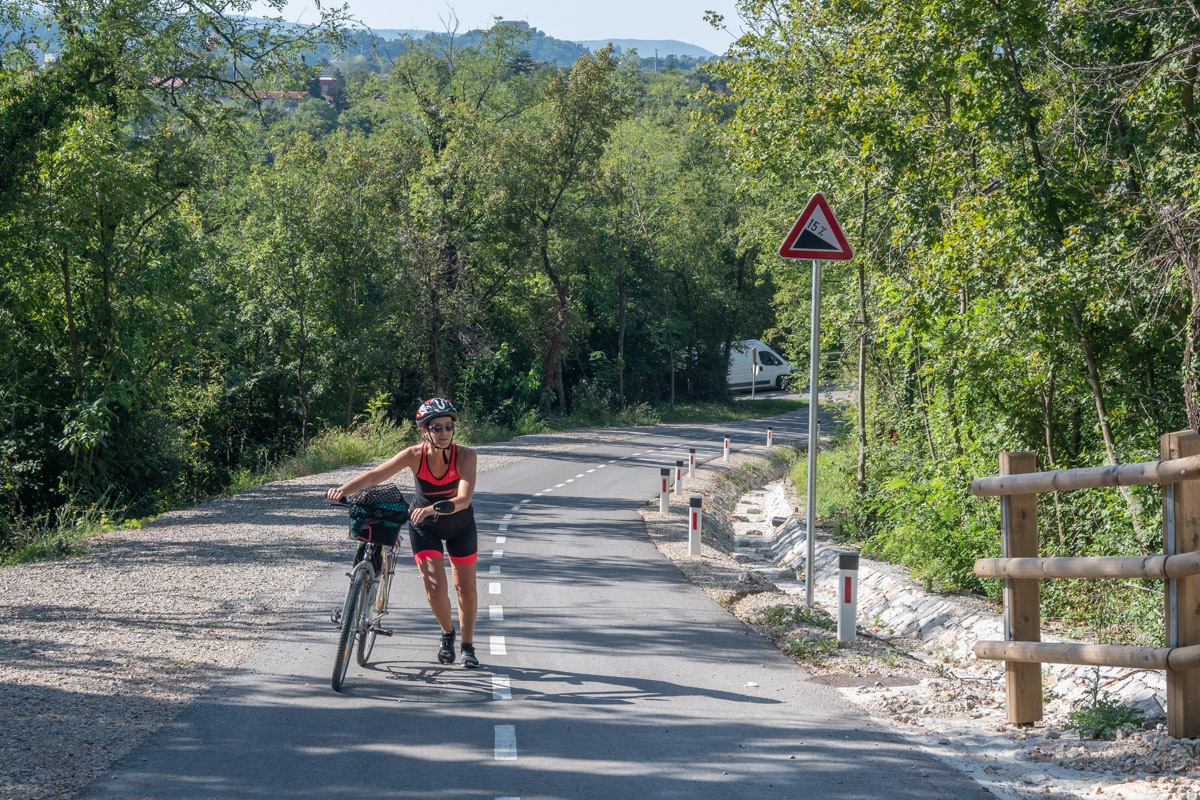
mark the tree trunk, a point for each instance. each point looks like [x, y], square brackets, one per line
[72, 331]
[621, 301]
[305, 400]
[1183, 243]
[1135, 508]
[350, 385]
[860, 473]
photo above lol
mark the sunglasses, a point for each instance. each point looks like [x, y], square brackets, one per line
[436, 428]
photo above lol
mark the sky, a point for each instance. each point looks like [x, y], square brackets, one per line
[563, 19]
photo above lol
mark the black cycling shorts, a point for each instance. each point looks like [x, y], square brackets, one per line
[456, 532]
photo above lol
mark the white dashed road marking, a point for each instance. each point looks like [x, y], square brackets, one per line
[507, 517]
[501, 539]
[497, 554]
[493, 588]
[497, 646]
[496, 612]
[590, 471]
[506, 743]
[494, 569]
[523, 502]
[501, 688]
[503, 526]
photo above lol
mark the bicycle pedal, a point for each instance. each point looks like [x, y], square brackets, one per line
[384, 631]
[336, 616]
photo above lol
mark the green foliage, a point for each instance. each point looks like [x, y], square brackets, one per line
[811, 648]
[781, 618]
[1102, 718]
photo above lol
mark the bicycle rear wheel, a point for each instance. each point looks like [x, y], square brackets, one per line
[360, 584]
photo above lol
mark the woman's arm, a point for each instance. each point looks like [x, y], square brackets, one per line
[467, 461]
[408, 457]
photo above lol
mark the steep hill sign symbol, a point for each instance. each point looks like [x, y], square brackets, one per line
[816, 234]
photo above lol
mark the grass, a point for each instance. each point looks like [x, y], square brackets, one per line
[375, 437]
[60, 536]
[814, 649]
[746, 409]
[835, 480]
[781, 618]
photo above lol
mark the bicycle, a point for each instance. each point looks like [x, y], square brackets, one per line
[376, 525]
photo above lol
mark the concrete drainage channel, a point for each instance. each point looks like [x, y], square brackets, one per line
[1047, 760]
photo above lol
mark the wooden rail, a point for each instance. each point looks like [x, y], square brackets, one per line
[1022, 570]
[1147, 472]
[1176, 659]
[1093, 567]
[1102, 655]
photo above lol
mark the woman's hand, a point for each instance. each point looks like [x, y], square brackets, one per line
[335, 494]
[419, 513]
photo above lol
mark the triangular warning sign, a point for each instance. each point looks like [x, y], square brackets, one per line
[816, 234]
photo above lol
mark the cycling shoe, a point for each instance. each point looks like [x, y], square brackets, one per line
[446, 651]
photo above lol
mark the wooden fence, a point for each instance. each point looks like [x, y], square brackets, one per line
[1179, 567]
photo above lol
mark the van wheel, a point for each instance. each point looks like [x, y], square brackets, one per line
[779, 383]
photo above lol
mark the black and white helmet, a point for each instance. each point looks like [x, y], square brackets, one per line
[435, 407]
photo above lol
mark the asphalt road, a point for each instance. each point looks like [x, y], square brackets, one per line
[606, 675]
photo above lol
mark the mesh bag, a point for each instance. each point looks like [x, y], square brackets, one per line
[376, 515]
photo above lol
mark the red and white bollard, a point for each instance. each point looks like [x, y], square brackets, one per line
[691, 462]
[678, 476]
[726, 456]
[768, 437]
[694, 522]
[664, 473]
[847, 596]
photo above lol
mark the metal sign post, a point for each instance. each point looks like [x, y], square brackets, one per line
[814, 436]
[816, 235]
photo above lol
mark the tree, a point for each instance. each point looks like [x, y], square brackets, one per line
[551, 166]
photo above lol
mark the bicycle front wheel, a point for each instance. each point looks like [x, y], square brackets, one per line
[367, 632]
[360, 584]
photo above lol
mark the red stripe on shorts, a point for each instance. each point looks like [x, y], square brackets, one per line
[425, 555]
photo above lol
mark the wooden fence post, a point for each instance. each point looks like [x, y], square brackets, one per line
[1181, 534]
[1022, 604]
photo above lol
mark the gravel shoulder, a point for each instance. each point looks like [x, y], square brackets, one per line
[953, 707]
[99, 652]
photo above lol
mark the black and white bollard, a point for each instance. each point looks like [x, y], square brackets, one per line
[726, 457]
[678, 476]
[691, 462]
[664, 474]
[768, 437]
[847, 596]
[694, 523]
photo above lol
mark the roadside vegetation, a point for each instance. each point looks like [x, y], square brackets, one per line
[1020, 186]
[206, 281]
[374, 436]
[231, 258]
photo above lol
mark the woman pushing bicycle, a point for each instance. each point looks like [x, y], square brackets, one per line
[433, 534]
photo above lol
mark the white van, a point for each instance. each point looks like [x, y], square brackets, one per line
[744, 355]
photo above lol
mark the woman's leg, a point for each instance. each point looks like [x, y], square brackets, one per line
[468, 599]
[433, 575]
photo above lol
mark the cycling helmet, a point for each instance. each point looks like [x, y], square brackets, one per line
[435, 407]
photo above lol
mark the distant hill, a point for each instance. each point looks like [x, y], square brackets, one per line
[396, 33]
[646, 47]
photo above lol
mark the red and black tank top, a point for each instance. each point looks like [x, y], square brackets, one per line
[431, 489]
